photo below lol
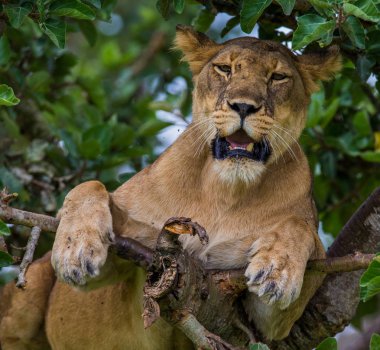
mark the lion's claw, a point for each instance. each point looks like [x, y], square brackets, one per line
[272, 281]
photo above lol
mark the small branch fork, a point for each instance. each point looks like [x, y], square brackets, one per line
[177, 287]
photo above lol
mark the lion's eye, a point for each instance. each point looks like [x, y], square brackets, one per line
[278, 76]
[223, 68]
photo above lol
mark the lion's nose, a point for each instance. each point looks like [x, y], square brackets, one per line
[244, 109]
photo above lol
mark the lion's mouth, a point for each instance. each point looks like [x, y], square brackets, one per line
[240, 145]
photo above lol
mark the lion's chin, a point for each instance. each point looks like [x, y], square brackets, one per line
[238, 171]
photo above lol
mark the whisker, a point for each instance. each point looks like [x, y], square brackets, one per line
[287, 146]
[275, 144]
[207, 136]
[288, 134]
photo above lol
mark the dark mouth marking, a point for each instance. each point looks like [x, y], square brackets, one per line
[221, 149]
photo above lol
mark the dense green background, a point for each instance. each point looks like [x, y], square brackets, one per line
[89, 77]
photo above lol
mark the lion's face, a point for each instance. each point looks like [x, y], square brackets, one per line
[250, 100]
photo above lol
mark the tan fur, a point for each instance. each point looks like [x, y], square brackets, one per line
[257, 215]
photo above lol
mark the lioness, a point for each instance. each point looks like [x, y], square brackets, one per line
[237, 170]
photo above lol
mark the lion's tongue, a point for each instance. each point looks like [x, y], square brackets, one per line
[235, 144]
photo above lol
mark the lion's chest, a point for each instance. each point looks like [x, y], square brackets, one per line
[231, 232]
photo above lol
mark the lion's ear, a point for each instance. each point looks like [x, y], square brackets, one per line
[319, 66]
[197, 48]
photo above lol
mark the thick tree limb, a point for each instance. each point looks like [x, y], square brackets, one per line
[211, 293]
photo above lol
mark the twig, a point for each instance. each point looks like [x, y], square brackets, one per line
[28, 256]
[130, 249]
[6, 198]
[28, 219]
[199, 335]
[357, 261]
[154, 45]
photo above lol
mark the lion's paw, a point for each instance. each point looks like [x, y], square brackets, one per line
[78, 256]
[275, 279]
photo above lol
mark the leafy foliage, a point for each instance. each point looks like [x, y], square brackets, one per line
[80, 88]
[370, 281]
[328, 344]
[258, 346]
[375, 342]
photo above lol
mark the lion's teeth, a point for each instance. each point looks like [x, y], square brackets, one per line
[250, 147]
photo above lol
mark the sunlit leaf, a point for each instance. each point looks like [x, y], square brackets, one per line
[310, 28]
[375, 342]
[370, 280]
[7, 96]
[328, 344]
[4, 229]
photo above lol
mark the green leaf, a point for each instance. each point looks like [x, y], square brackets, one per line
[323, 7]
[287, 6]
[233, 22]
[250, 12]
[55, 29]
[89, 31]
[5, 50]
[72, 8]
[203, 20]
[7, 97]
[5, 259]
[310, 28]
[163, 7]
[364, 9]
[258, 346]
[101, 133]
[179, 6]
[4, 229]
[355, 31]
[361, 123]
[328, 344]
[375, 342]
[371, 156]
[17, 14]
[90, 149]
[151, 127]
[370, 280]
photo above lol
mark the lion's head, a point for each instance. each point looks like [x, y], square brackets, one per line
[250, 98]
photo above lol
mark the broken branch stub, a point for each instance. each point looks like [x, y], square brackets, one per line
[178, 289]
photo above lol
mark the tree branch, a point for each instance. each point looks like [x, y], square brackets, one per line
[28, 256]
[211, 293]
